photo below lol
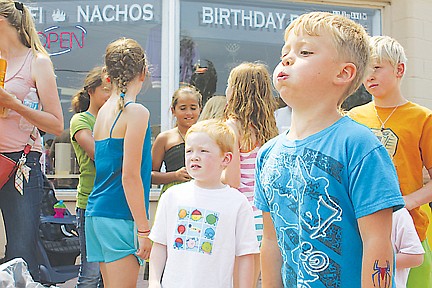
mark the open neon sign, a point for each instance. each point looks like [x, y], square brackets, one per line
[59, 41]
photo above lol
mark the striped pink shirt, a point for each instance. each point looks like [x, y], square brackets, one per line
[247, 170]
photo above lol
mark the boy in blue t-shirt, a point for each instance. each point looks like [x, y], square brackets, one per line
[327, 216]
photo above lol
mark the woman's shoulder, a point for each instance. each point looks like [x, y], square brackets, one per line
[41, 59]
[41, 66]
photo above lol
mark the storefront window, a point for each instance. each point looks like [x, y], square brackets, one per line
[76, 33]
[223, 34]
[217, 35]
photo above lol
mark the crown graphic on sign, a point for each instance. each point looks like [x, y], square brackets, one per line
[58, 16]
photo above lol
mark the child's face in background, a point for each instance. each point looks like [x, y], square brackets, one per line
[307, 66]
[204, 159]
[187, 110]
[101, 94]
[382, 78]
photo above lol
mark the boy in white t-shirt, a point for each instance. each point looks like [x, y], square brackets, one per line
[407, 246]
[201, 227]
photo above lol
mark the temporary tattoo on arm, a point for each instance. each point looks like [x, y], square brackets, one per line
[381, 277]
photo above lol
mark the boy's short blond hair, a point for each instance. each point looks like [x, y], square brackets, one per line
[350, 40]
[218, 131]
[387, 48]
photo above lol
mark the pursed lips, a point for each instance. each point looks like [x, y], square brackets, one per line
[282, 76]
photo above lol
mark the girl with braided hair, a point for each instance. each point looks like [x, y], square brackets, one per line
[29, 68]
[250, 113]
[117, 225]
[86, 104]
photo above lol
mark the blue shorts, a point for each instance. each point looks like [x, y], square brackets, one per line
[110, 239]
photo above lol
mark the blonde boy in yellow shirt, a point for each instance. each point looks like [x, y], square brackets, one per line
[405, 129]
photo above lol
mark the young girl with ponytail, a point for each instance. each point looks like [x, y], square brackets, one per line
[117, 225]
[86, 104]
[29, 68]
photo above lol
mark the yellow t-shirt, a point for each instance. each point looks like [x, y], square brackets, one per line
[407, 136]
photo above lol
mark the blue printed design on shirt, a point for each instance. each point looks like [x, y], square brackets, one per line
[316, 215]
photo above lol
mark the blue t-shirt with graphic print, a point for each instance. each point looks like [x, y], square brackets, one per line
[315, 190]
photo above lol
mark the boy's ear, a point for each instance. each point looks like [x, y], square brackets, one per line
[227, 158]
[400, 70]
[346, 74]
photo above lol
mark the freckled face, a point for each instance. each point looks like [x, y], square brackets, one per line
[204, 158]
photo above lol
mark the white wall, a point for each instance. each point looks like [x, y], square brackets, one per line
[410, 23]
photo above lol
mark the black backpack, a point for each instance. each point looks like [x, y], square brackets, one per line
[60, 241]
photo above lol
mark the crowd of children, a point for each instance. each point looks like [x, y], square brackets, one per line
[319, 203]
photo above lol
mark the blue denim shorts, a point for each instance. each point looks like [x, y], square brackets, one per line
[110, 239]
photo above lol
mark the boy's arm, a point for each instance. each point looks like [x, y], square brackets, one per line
[158, 258]
[408, 260]
[271, 258]
[406, 241]
[421, 196]
[377, 263]
[245, 270]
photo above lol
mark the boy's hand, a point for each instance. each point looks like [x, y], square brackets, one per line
[409, 204]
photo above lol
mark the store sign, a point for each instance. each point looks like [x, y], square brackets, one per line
[60, 41]
[64, 26]
[258, 18]
[262, 23]
[85, 13]
[117, 13]
[244, 18]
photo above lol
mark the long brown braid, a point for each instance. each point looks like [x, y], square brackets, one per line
[125, 59]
